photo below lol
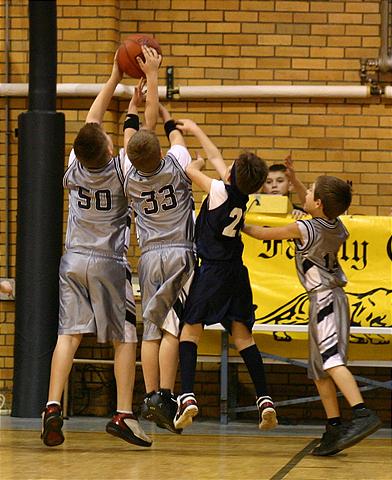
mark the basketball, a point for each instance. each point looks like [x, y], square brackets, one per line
[131, 48]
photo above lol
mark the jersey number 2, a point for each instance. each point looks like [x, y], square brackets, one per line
[232, 229]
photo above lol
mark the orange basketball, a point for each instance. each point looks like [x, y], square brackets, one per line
[131, 48]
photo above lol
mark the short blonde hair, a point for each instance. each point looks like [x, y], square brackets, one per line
[144, 150]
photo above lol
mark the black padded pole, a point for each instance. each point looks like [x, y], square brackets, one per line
[41, 139]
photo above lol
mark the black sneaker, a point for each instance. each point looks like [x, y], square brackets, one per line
[162, 408]
[52, 422]
[186, 410]
[127, 427]
[145, 411]
[364, 423]
[329, 441]
[267, 413]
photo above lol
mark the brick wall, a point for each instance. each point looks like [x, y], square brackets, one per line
[210, 42]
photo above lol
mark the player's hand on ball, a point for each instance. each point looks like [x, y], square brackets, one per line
[152, 60]
[117, 74]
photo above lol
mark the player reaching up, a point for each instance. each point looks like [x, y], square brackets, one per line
[220, 291]
[93, 270]
[160, 195]
[317, 242]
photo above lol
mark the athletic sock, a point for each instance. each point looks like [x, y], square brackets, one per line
[334, 421]
[254, 364]
[188, 361]
[53, 402]
[358, 406]
[129, 412]
[166, 392]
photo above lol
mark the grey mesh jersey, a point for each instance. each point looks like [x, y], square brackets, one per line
[162, 203]
[98, 208]
[317, 258]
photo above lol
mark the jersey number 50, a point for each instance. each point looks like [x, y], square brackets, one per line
[103, 199]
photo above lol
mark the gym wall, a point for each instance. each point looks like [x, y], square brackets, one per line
[211, 42]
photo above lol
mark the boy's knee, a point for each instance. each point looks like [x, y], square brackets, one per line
[191, 333]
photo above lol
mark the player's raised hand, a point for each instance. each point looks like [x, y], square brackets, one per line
[186, 125]
[139, 96]
[199, 162]
[152, 60]
[116, 74]
[290, 172]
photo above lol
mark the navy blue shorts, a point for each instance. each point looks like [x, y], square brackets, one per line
[220, 293]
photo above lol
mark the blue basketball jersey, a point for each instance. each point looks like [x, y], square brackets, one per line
[218, 231]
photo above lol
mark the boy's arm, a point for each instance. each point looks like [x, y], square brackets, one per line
[298, 186]
[193, 170]
[286, 232]
[131, 124]
[102, 101]
[174, 135]
[150, 68]
[212, 152]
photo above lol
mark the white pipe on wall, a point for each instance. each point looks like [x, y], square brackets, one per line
[388, 92]
[262, 91]
[213, 91]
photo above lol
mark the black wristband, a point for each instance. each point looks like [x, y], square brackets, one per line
[131, 121]
[169, 126]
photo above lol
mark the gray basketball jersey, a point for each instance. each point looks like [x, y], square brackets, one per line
[163, 205]
[317, 258]
[98, 209]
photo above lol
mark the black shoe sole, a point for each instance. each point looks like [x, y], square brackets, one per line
[117, 431]
[162, 422]
[360, 436]
[151, 418]
[53, 426]
[327, 453]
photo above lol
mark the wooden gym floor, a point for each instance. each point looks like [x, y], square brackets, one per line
[206, 451]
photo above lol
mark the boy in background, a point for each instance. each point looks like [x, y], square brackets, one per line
[221, 291]
[317, 242]
[282, 180]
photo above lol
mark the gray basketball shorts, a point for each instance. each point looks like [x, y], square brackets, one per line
[329, 330]
[165, 275]
[93, 297]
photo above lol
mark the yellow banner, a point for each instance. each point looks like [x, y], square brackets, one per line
[366, 259]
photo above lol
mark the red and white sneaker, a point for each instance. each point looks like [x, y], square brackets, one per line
[267, 413]
[52, 422]
[186, 410]
[127, 427]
